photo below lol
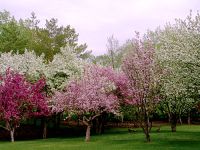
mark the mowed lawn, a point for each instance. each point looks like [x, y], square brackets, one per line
[186, 138]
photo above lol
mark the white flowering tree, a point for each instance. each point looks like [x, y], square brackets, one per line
[64, 66]
[27, 63]
[178, 50]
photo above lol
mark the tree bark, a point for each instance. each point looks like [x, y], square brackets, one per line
[146, 126]
[88, 123]
[148, 137]
[12, 132]
[180, 120]
[189, 119]
[44, 129]
[173, 122]
[87, 137]
[173, 127]
[147, 129]
[169, 117]
[99, 123]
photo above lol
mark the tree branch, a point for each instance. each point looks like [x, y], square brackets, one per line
[97, 115]
[85, 121]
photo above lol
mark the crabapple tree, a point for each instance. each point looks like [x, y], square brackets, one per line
[143, 76]
[178, 51]
[20, 99]
[91, 95]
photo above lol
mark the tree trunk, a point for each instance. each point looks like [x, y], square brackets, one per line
[173, 122]
[87, 137]
[99, 123]
[147, 129]
[12, 132]
[148, 137]
[101, 126]
[58, 120]
[173, 127]
[103, 122]
[169, 117]
[88, 123]
[44, 129]
[180, 120]
[189, 119]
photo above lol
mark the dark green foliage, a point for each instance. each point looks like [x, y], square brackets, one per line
[12, 35]
[129, 113]
[19, 35]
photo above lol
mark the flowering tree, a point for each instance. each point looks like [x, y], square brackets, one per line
[19, 100]
[178, 52]
[64, 67]
[28, 63]
[143, 81]
[90, 96]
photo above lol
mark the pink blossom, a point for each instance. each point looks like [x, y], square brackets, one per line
[20, 99]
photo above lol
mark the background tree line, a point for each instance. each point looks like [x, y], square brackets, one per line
[18, 35]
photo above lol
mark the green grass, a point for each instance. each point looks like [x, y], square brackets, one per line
[186, 138]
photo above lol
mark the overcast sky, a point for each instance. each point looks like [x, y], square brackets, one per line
[96, 20]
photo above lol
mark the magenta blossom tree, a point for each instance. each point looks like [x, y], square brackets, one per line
[91, 95]
[143, 74]
[19, 100]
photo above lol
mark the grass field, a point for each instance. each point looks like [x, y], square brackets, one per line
[186, 138]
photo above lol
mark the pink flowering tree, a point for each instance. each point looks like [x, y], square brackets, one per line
[90, 96]
[143, 74]
[19, 100]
